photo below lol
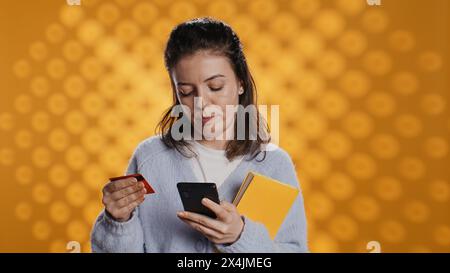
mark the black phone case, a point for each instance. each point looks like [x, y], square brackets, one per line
[192, 193]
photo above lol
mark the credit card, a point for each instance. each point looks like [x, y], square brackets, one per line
[139, 178]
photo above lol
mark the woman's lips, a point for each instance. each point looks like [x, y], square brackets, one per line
[206, 119]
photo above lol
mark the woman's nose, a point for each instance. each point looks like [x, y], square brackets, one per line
[204, 96]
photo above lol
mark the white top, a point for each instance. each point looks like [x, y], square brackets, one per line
[211, 165]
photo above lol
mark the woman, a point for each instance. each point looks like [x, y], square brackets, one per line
[206, 63]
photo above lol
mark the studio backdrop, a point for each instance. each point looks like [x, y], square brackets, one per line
[362, 88]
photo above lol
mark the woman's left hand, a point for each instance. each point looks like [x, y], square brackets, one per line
[225, 229]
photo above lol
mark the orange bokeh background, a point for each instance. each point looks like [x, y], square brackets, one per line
[363, 95]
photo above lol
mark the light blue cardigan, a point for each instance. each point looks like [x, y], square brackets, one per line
[155, 227]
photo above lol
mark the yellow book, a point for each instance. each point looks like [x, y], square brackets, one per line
[265, 200]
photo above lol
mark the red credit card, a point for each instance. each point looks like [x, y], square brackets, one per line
[139, 178]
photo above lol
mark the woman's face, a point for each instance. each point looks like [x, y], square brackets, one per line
[210, 77]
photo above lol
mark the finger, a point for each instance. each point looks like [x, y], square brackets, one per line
[208, 232]
[220, 212]
[117, 195]
[127, 191]
[228, 206]
[125, 201]
[203, 220]
[131, 206]
[120, 184]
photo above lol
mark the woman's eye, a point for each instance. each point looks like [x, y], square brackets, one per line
[213, 88]
[184, 93]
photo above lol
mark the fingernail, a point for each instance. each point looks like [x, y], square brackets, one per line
[134, 179]
[205, 200]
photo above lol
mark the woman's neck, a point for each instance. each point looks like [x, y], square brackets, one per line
[214, 144]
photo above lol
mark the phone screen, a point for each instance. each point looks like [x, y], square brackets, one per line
[192, 193]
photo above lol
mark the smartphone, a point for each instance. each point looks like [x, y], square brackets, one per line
[139, 178]
[192, 193]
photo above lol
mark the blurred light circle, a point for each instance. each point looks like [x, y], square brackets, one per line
[331, 64]
[392, 231]
[71, 16]
[38, 51]
[59, 212]
[402, 40]
[343, 227]
[24, 174]
[77, 230]
[436, 147]
[388, 188]
[89, 32]
[442, 235]
[416, 211]
[350, 7]
[41, 157]
[439, 190]
[77, 194]
[361, 166]
[23, 104]
[329, 22]
[108, 14]
[59, 175]
[41, 230]
[23, 211]
[75, 121]
[56, 68]
[305, 8]
[365, 208]
[433, 104]
[412, 168]
[333, 104]
[41, 193]
[336, 145]
[144, 13]
[430, 61]
[352, 43]
[74, 86]
[381, 104]
[320, 206]
[408, 125]
[339, 186]
[76, 157]
[358, 125]
[374, 20]
[377, 62]
[58, 139]
[72, 50]
[22, 69]
[6, 121]
[405, 83]
[40, 86]
[55, 33]
[384, 146]
[355, 83]
[23, 139]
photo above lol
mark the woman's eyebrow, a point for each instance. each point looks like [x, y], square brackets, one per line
[213, 77]
[183, 83]
[208, 79]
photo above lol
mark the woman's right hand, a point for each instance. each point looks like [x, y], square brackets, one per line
[122, 196]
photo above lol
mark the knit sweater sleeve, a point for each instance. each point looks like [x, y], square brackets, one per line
[110, 236]
[292, 235]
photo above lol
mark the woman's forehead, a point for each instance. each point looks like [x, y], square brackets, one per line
[200, 66]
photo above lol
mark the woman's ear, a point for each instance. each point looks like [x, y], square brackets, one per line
[241, 89]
